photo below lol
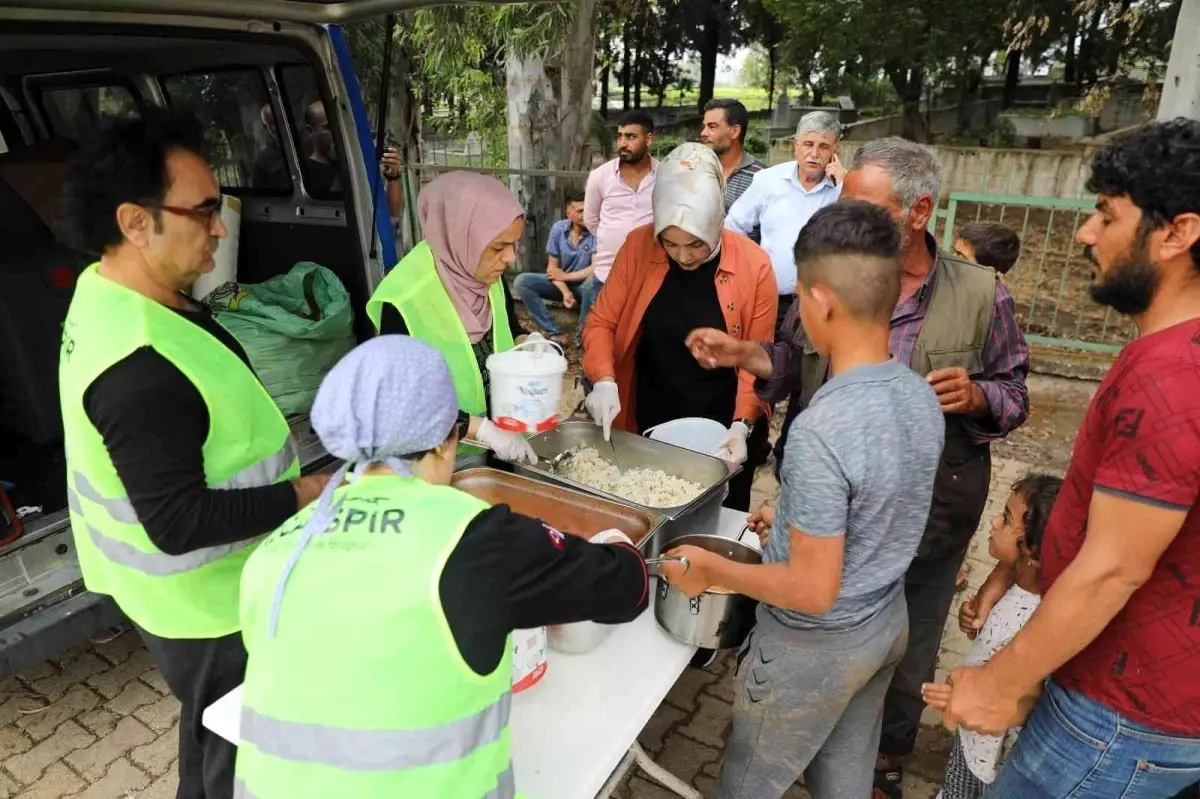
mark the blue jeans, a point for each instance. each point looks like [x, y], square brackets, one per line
[534, 288]
[591, 289]
[1075, 748]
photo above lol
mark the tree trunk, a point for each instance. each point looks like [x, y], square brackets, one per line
[772, 68]
[1012, 76]
[533, 143]
[626, 66]
[710, 47]
[818, 94]
[578, 65]
[637, 76]
[605, 75]
[1086, 68]
[1069, 65]
[909, 82]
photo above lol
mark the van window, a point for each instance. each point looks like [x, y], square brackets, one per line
[78, 112]
[314, 140]
[241, 139]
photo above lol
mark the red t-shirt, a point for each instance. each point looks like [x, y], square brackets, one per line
[1140, 440]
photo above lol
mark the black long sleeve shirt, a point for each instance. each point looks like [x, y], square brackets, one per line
[512, 572]
[154, 423]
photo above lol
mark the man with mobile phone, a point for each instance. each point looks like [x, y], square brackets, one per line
[782, 198]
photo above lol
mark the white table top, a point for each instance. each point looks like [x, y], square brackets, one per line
[572, 729]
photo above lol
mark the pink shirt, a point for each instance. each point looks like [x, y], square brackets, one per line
[611, 209]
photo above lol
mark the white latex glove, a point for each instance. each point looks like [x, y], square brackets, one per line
[604, 403]
[506, 444]
[733, 448]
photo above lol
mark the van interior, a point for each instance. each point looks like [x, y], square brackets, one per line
[254, 96]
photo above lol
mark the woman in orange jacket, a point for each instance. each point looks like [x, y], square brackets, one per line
[679, 273]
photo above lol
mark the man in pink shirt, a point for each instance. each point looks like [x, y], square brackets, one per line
[617, 199]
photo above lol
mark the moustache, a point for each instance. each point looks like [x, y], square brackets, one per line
[1091, 256]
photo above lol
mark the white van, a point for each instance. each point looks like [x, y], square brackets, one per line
[247, 69]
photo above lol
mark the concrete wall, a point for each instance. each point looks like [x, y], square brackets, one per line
[1037, 173]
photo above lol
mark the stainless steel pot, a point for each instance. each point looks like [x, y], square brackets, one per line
[715, 619]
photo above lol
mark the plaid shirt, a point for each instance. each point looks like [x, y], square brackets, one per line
[1005, 358]
[740, 179]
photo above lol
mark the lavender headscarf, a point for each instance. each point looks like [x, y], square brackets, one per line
[461, 213]
[388, 398]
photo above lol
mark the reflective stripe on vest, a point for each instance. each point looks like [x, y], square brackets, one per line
[265, 472]
[375, 750]
[506, 788]
[157, 563]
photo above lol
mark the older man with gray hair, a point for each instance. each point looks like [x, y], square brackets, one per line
[954, 325]
[782, 198]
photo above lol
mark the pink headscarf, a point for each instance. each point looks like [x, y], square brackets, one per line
[460, 214]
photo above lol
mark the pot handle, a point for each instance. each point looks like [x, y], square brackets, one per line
[655, 562]
[742, 533]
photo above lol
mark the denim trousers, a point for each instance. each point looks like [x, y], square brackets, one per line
[1075, 748]
[534, 288]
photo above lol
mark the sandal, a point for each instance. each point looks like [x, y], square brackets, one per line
[888, 784]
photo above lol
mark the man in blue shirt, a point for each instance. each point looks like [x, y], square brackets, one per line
[782, 198]
[569, 263]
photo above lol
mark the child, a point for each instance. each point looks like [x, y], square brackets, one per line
[988, 244]
[1015, 542]
[857, 482]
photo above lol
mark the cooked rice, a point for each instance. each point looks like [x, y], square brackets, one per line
[653, 488]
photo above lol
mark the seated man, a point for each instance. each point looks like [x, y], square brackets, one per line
[856, 484]
[568, 263]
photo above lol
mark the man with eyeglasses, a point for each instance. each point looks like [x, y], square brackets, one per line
[177, 458]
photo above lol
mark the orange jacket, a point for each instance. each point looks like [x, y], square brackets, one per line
[746, 289]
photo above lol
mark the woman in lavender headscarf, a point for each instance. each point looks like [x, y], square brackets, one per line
[378, 621]
[449, 292]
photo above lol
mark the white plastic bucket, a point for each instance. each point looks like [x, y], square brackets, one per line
[692, 432]
[226, 254]
[582, 637]
[526, 386]
[529, 658]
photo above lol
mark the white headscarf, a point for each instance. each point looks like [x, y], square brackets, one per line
[689, 193]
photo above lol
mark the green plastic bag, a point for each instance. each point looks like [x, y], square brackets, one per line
[294, 328]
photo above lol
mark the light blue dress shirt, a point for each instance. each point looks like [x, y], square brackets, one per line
[780, 206]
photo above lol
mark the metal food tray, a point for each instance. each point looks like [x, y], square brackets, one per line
[634, 452]
[566, 510]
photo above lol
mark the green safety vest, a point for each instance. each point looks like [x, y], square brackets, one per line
[414, 288]
[193, 595]
[362, 692]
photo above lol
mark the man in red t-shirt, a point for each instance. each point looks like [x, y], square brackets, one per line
[1118, 629]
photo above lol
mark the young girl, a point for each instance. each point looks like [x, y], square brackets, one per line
[1015, 542]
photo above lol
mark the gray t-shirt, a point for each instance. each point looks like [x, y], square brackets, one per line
[860, 462]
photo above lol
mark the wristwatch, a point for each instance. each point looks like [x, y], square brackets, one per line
[749, 424]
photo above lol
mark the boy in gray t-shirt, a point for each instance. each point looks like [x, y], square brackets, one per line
[857, 481]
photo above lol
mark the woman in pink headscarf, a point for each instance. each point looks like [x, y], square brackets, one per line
[448, 292]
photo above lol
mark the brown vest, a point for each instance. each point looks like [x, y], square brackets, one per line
[953, 333]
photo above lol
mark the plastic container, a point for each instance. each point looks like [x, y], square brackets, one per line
[529, 658]
[526, 386]
[692, 432]
[585, 636]
[226, 255]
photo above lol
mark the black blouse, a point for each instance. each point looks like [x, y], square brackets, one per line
[669, 384]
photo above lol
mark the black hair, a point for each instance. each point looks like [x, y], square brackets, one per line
[996, 245]
[853, 248]
[1158, 167]
[1040, 491]
[572, 196]
[637, 116]
[735, 114]
[126, 163]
